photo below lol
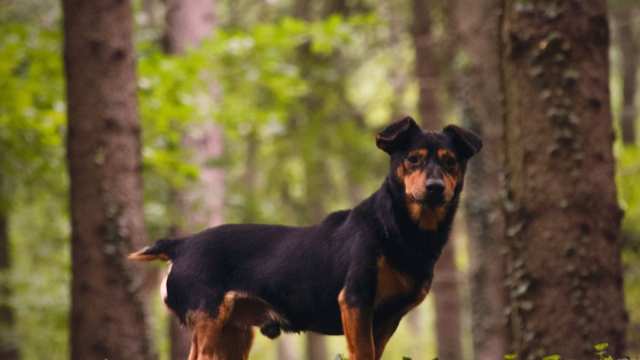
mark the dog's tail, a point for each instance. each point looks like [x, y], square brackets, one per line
[164, 249]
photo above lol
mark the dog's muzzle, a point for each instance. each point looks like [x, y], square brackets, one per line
[434, 192]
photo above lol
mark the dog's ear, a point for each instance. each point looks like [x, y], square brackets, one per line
[393, 136]
[466, 142]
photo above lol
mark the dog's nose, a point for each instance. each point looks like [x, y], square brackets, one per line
[435, 187]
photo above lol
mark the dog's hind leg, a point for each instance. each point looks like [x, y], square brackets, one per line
[205, 335]
[234, 343]
[215, 338]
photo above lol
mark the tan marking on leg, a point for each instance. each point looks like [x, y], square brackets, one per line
[234, 343]
[357, 326]
[218, 338]
[205, 332]
[193, 351]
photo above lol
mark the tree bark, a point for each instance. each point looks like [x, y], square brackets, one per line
[8, 345]
[446, 294]
[399, 77]
[188, 22]
[284, 349]
[426, 67]
[315, 347]
[564, 267]
[316, 185]
[446, 281]
[482, 103]
[629, 59]
[104, 159]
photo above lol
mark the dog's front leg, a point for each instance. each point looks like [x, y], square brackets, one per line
[357, 323]
[383, 331]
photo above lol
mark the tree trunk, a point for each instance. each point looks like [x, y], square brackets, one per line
[315, 347]
[284, 349]
[447, 305]
[564, 266]
[398, 76]
[8, 344]
[629, 56]
[316, 183]
[480, 94]
[426, 69]
[104, 159]
[446, 281]
[188, 22]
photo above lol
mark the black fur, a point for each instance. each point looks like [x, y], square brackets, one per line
[300, 271]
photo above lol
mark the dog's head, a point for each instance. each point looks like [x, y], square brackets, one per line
[428, 166]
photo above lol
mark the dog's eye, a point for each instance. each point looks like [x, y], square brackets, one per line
[413, 159]
[448, 162]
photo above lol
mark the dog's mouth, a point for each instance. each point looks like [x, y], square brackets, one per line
[434, 201]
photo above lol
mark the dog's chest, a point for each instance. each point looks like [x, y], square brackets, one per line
[392, 284]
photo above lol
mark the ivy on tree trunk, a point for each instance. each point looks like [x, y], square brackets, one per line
[563, 219]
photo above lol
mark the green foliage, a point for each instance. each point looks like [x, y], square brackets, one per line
[31, 108]
[628, 178]
[279, 87]
[33, 185]
[601, 351]
[600, 348]
[262, 89]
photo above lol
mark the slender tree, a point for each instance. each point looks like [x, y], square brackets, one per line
[302, 9]
[480, 94]
[446, 281]
[188, 22]
[8, 345]
[104, 161]
[399, 77]
[629, 46]
[564, 267]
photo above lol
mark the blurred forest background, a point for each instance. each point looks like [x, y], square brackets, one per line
[265, 111]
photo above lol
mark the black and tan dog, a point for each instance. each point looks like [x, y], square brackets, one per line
[356, 273]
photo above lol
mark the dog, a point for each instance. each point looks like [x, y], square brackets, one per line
[357, 273]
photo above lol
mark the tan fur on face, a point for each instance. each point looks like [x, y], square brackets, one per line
[414, 178]
[451, 177]
[420, 152]
[414, 184]
[449, 187]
